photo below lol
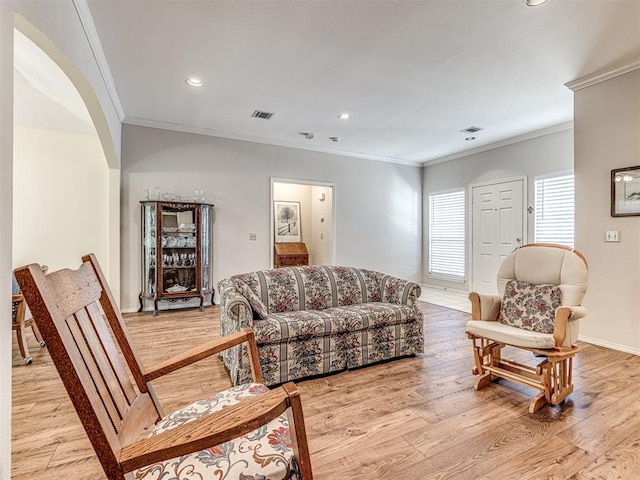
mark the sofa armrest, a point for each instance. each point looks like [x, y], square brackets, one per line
[235, 315]
[399, 291]
[235, 310]
[484, 307]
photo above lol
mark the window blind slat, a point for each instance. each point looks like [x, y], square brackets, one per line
[447, 234]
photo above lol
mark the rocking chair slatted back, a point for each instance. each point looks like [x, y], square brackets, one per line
[94, 374]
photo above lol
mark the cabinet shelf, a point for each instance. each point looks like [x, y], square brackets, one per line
[162, 221]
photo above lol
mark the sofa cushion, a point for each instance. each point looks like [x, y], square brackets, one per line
[530, 307]
[259, 308]
[287, 326]
[510, 335]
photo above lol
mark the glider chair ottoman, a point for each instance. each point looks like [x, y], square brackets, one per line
[315, 320]
[541, 287]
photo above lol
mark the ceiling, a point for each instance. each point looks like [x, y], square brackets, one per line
[412, 74]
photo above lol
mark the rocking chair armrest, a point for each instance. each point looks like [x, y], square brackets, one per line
[576, 312]
[484, 307]
[207, 349]
[564, 315]
[207, 431]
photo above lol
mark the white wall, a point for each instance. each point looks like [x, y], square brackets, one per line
[321, 226]
[607, 126]
[378, 215]
[6, 208]
[295, 192]
[539, 156]
[60, 197]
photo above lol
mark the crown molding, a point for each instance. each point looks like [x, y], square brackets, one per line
[561, 127]
[90, 31]
[604, 74]
[210, 132]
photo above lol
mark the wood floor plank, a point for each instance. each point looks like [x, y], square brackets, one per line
[604, 430]
[375, 461]
[552, 458]
[411, 418]
[621, 462]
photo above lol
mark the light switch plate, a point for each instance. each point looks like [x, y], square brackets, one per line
[253, 236]
[612, 236]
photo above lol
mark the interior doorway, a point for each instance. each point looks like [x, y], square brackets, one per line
[317, 216]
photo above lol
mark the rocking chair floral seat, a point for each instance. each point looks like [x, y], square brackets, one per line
[541, 288]
[248, 431]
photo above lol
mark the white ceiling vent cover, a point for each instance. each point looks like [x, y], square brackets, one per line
[471, 130]
[261, 114]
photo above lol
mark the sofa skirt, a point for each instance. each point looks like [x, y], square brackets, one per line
[299, 358]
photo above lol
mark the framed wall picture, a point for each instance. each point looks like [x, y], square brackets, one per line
[287, 222]
[625, 192]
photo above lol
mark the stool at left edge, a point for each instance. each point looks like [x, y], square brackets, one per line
[19, 323]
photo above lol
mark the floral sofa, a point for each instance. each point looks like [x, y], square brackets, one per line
[319, 319]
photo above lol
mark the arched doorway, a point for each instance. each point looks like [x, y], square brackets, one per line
[65, 189]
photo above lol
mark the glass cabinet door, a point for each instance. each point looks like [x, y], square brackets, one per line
[205, 245]
[149, 243]
[179, 247]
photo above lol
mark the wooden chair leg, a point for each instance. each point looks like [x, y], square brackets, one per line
[485, 379]
[537, 402]
[22, 344]
[36, 333]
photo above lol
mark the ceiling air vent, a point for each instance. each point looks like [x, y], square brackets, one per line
[261, 114]
[471, 130]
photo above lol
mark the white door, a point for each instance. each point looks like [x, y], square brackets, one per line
[497, 228]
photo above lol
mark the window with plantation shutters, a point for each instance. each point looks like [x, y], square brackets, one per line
[554, 210]
[446, 235]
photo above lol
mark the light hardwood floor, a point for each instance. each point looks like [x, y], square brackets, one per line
[413, 418]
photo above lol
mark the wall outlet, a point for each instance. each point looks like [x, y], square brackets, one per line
[253, 236]
[612, 236]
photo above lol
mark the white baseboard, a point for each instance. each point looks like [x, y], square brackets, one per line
[612, 346]
[443, 288]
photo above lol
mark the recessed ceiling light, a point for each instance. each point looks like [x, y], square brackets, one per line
[468, 139]
[344, 116]
[534, 3]
[194, 81]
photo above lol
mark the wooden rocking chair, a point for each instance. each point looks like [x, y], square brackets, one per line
[541, 288]
[248, 431]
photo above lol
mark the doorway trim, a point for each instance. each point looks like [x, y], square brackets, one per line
[525, 224]
[295, 181]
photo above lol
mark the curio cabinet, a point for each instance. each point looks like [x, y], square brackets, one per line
[176, 253]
